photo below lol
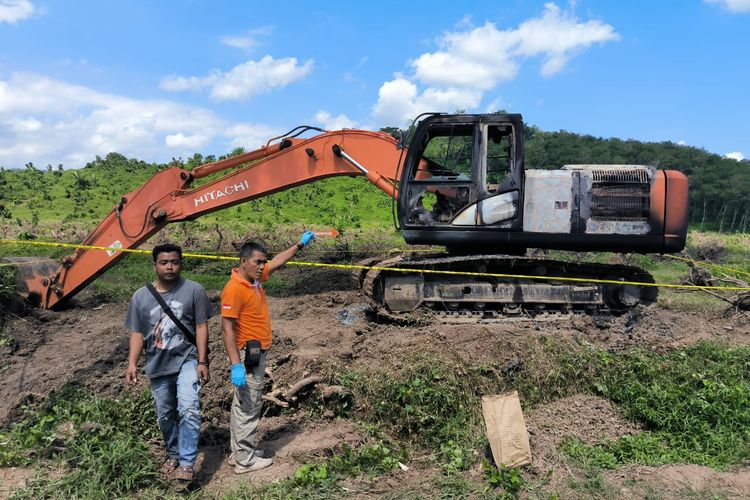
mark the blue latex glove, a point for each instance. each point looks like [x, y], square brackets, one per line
[306, 238]
[238, 375]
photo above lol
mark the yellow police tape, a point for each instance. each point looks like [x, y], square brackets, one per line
[380, 268]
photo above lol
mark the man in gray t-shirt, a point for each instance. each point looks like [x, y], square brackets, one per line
[176, 364]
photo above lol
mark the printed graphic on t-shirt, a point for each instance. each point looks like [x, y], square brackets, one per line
[166, 334]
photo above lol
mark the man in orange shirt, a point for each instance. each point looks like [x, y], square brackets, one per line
[246, 325]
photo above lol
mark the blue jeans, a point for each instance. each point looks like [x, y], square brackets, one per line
[178, 411]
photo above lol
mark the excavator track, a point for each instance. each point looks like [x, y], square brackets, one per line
[529, 290]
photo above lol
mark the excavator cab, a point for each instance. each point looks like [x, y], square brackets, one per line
[463, 175]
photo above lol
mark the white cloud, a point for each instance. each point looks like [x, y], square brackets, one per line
[736, 6]
[399, 101]
[183, 83]
[682, 142]
[25, 125]
[558, 36]
[240, 42]
[49, 121]
[479, 59]
[334, 122]
[249, 136]
[476, 60]
[180, 140]
[396, 102]
[244, 80]
[735, 156]
[12, 11]
[248, 40]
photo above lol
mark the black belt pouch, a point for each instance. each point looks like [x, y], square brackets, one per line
[252, 354]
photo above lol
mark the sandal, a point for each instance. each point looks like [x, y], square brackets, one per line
[169, 466]
[184, 473]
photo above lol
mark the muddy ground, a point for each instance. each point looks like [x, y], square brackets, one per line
[322, 326]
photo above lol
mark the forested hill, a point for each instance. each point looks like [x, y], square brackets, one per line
[719, 187]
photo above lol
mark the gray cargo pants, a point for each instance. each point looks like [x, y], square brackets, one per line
[245, 414]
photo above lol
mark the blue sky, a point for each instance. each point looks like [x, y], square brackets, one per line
[156, 80]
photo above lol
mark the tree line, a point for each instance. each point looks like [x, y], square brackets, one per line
[719, 187]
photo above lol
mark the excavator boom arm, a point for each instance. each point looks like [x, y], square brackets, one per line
[167, 197]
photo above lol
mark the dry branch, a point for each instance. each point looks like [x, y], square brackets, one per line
[703, 277]
[311, 380]
[276, 401]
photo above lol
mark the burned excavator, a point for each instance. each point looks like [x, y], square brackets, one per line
[460, 184]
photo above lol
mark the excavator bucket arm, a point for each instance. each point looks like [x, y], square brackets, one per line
[168, 197]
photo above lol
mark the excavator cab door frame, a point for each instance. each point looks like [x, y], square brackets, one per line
[463, 174]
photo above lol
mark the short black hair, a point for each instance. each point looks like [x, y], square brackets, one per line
[166, 248]
[248, 247]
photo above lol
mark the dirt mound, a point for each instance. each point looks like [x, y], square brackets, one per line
[682, 481]
[317, 332]
[47, 350]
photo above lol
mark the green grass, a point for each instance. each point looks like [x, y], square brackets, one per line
[322, 479]
[735, 254]
[694, 405]
[103, 445]
[692, 301]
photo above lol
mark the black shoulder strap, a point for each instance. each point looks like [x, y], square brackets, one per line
[188, 334]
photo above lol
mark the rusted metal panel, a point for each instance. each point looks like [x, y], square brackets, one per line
[548, 202]
[594, 226]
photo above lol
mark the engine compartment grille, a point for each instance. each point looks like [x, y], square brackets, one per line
[620, 195]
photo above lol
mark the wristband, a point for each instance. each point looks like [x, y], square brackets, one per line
[204, 363]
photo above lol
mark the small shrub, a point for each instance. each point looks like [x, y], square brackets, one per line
[510, 480]
[375, 459]
[428, 403]
[26, 236]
